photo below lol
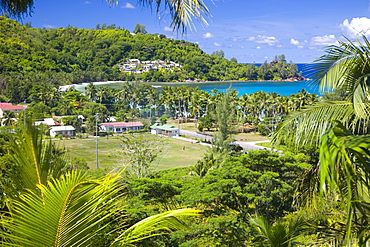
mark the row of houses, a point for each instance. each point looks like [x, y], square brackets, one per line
[137, 66]
[119, 127]
[67, 130]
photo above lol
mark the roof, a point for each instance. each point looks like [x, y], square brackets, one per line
[10, 106]
[164, 127]
[62, 128]
[47, 121]
[123, 124]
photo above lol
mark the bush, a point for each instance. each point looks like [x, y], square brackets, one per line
[263, 129]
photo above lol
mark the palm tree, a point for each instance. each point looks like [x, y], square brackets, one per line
[181, 11]
[344, 68]
[345, 173]
[73, 210]
[281, 234]
[91, 92]
[49, 206]
[8, 119]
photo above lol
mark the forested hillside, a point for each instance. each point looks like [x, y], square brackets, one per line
[72, 55]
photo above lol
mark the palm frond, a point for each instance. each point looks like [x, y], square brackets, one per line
[309, 124]
[36, 160]
[182, 11]
[69, 213]
[344, 169]
[281, 233]
[155, 225]
[346, 67]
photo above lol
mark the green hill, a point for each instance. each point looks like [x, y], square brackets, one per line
[72, 55]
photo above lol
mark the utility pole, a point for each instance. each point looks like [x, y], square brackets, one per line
[97, 140]
[24, 115]
[178, 117]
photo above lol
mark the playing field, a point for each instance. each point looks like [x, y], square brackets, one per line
[173, 154]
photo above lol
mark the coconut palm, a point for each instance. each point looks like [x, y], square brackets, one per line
[344, 68]
[35, 161]
[182, 11]
[281, 234]
[345, 173]
[51, 207]
[9, 119]
[91, 91]
[73, 210]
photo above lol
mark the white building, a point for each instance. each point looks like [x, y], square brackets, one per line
[120, 127]
[62, 131]
[10, 107]
[167, 130]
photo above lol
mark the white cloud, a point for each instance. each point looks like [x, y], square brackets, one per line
[48, 26]
[258, 47]
[86, 2]
[300, 47]
[357, 26]
[128, 6]
[208, 35]
[294, 41]
[263, 39]
[237, 39]
[324, 40]
[167, 29]
[217, 44]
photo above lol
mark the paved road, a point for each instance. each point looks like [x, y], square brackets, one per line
[245, 145]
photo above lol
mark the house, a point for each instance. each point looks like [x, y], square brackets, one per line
[167, 130]
[62, 130]
[10, 107]
[119, 127]
[48, 122]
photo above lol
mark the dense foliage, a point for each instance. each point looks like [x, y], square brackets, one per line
[52, 57]
[258, 182]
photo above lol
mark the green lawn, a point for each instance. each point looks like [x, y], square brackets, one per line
[244, 137]
[172, 156]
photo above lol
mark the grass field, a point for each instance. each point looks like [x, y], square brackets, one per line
[244, 137]
[172, 156]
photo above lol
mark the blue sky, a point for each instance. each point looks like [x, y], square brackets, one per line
[249, 30]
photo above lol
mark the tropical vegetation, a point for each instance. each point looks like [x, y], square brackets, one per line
[43, 59]
[317, 193]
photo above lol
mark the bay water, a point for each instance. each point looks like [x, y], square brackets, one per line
[242, 87]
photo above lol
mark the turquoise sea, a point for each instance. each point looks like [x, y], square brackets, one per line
[280, 87]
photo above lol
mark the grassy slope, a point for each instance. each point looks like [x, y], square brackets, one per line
[244, 137]
[172, 156]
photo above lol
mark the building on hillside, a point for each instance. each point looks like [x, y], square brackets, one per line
[166, 130]
[120, 127]
[10, 107]
[62, 131]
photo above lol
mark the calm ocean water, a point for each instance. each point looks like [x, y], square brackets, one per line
[280, 87]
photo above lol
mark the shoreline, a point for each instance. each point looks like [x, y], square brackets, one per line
[187, 82]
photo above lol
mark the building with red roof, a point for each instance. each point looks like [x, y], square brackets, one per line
[10, 107]
[120, 127]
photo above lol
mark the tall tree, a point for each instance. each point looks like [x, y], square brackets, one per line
[140, 29]
[224, 117]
